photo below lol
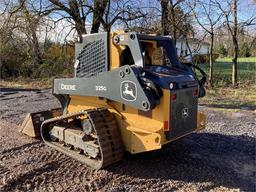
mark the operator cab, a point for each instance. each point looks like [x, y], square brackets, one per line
[162, 64]
[156, 56]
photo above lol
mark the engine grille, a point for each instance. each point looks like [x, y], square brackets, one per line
[92, 55]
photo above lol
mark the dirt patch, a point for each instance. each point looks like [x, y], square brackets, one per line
[222, 158]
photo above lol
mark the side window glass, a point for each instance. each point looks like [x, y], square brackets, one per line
[160, 57]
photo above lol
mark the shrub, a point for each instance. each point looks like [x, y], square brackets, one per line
[204, 58]
[57, 60]
[222, 51]
[244, 50]
[11, 59]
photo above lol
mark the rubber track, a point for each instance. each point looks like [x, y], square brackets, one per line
[108, 137]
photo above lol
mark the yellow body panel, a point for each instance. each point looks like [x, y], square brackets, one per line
[201, 121]
[115, 52]
[140, 132]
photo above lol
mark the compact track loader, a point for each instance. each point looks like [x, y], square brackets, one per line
[129, 92]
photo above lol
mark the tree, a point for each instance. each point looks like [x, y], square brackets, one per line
[76, 10]
[172, 8]
[123, 11]
[31, 21]
[169, 19]
[229, 9]
[104, 13]
[232, 9]
[98, 12]
[18, 34]
[164, 17]
[181, 26]
[207, 16]
[235, 43]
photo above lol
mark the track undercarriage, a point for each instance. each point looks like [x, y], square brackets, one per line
[91, 137]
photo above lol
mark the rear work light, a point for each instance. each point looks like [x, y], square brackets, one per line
[173, 96]
[166, 126]
[195, 93]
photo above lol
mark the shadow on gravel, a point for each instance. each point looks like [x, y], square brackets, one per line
[22, 147]
[6, 90]
[29, 176]
[11, 91]
[250, 106]
[222, 160]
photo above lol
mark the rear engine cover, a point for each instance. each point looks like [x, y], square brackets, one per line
[183, 113]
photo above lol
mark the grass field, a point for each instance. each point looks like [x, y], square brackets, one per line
[225, 97]
[230, 98]
[222, 70]
[27, 83]
[241, 59]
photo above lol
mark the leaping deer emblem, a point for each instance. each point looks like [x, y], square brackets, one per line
[128, 92]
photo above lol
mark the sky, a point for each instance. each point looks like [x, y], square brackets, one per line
[58, 32]
[246, 9]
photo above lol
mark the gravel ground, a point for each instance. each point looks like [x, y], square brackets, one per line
[221, 158]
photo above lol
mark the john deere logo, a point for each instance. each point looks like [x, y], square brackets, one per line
[185, 112]
[128, 91]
